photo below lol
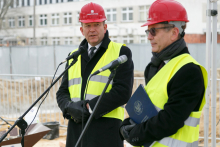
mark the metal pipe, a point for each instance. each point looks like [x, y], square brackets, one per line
[11, 99]
[209, 138]
[4, 98]
[28, 100]
[15, 99]
[208, 54]
[28, 75]
[58, 84]
[34, 24]
[219, 98]
[214, 73]
[19, 90]
[7, 98]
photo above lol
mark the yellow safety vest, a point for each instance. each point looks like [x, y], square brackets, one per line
[188, 135]
[97, 83]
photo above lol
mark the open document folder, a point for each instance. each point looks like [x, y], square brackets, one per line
[32, 136]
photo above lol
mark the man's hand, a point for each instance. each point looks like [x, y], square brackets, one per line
[127, 126]
[78, 110]
[125, 129]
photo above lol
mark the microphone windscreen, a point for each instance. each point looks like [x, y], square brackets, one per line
[82, 49]
[122, 59]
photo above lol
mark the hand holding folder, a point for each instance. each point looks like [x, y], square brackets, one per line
[140, 108]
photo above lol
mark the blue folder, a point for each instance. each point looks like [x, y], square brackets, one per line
[140, 108]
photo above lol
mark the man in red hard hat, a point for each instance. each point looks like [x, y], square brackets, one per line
[77, 90]
[175, 83]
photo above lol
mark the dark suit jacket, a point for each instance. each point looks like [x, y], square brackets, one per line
[102, 132]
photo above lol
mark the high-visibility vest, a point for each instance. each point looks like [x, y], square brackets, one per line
[188, 135]
[97, 83]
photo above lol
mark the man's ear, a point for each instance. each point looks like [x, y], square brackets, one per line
[81, 29]
[105, 27]
[175, 34]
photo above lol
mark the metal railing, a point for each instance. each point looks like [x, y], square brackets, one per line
[18, 92]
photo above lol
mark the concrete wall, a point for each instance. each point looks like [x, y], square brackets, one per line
[43, 60]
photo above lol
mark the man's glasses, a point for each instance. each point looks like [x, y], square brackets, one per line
[152, 31]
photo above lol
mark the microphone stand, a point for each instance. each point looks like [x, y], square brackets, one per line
[113, 72]
[20, 122]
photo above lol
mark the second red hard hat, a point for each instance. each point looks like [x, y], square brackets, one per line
[166, 10]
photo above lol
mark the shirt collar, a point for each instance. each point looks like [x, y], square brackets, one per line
[166, 61]
[97, 46]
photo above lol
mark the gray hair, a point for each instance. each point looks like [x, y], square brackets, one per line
[179, 24]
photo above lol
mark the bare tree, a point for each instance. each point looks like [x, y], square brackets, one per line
[4, 5]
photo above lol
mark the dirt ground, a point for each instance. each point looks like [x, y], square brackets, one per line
[62, 130]
[45, 142]
[54, 142]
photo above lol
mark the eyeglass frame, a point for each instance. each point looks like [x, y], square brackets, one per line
[154, 33]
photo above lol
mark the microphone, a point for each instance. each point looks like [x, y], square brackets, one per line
[75, 54]
[112, 65]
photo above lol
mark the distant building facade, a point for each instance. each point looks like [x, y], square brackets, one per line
[56, 21]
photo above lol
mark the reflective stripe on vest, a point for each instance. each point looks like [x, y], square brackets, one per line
[96, 78]
[188, 135]
[97, 83]
[190, 121]
[170, 142]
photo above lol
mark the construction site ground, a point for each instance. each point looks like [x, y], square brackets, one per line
[62, 130]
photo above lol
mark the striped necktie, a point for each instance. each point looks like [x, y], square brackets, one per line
[91, 52]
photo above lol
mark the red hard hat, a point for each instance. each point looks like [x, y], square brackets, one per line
[166, 10]
[92, 12]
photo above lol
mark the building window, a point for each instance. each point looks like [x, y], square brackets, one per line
[45, 1]
[77, 17]
[56, 41]
[127, 14]
[22, 2]
[43, 20]
[3, 23]
[1, 4]
[114, 38]
[21, 21]
[12, 5]
[143, 39]
[30, 41]
[30, 20]
[51, 1]
[13, 43]
[28, 2]
[78, 39]
[143, 10]
[111, 15]
[68, 18]
[40, 2]
[11, 21]
[43, 41]
[55, 19]
[127, 39]
[17, 3]
[68, 40]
